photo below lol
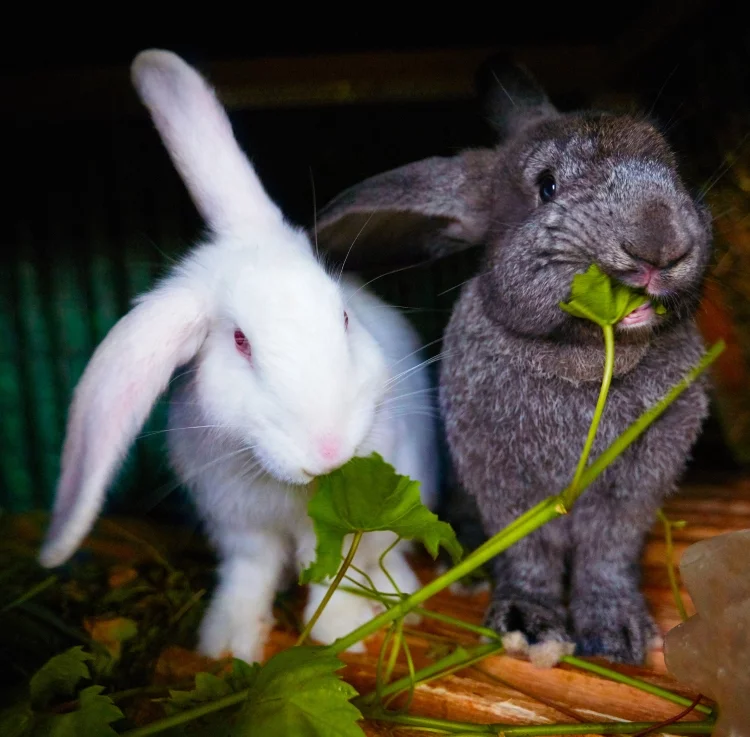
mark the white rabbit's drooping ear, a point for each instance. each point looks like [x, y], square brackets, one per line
[197, 134]
[419, 211]
[125, 376]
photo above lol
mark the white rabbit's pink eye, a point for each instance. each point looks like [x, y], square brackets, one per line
[242, 343]
[346, 321]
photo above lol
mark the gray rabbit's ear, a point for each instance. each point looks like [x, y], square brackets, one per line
[417, 212]
[511, 96]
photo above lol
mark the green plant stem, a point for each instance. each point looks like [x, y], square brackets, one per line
[430, 614]
[381, 563]
[30, 594]
[395, 650]
[613, 675]
[444, 726]
[524, 525]
[473, 628]
[570, 660]
[426, 672]
[412, 676]
[609, 367]
[645, 420]
[536, 730]
[481, 654]
[457, 660]
[574, 662]
[189, 715]
[379, 680]
[187, 606]
[670, 565]
[332, 588]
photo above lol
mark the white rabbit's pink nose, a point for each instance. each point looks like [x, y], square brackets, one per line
[329, 449]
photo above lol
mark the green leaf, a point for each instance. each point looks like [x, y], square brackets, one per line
[91, 719]
[596, 297]
[297, 692]
[59, 676]
[209, 687]
[16, 721]
[242, 676]
[367, 494]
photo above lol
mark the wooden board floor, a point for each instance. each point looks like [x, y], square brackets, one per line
[509, 689]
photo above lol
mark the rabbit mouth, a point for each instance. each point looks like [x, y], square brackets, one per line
[639, 317]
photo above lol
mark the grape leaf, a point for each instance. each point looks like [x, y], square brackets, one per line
[59, 676]
[209, 687]
[242, 675]
[91, 719]
[17, 720]
[297, 692]
[111, 632]
[596, 297]
[367, 494]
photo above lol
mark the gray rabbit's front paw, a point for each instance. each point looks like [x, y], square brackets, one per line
[537, 621]
[616, 626]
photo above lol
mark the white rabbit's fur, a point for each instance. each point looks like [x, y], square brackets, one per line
[247, 433]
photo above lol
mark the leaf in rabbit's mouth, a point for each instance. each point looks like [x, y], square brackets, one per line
[366, 495]
[595, 296]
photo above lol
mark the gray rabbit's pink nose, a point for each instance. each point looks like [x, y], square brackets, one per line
[656, 239]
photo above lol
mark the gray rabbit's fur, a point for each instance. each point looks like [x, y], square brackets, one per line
[520, 377]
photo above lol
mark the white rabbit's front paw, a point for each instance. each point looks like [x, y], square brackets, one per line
[237, 627]
[343, 614]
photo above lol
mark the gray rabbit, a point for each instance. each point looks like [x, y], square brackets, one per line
[520, 377]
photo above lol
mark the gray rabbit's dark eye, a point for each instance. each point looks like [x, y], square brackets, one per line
[547, 187]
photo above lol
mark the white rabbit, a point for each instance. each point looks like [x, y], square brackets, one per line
[291, 373]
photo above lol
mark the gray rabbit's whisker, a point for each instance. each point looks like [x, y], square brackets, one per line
[729, 161]
[409, 309]
[380, 276]
[457, 286]
[661, 90]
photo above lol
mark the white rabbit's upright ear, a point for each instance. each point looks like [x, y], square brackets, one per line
[420, 211]
[125, 376]
[197, 134]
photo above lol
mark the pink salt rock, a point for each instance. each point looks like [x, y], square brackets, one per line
[710, 652]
